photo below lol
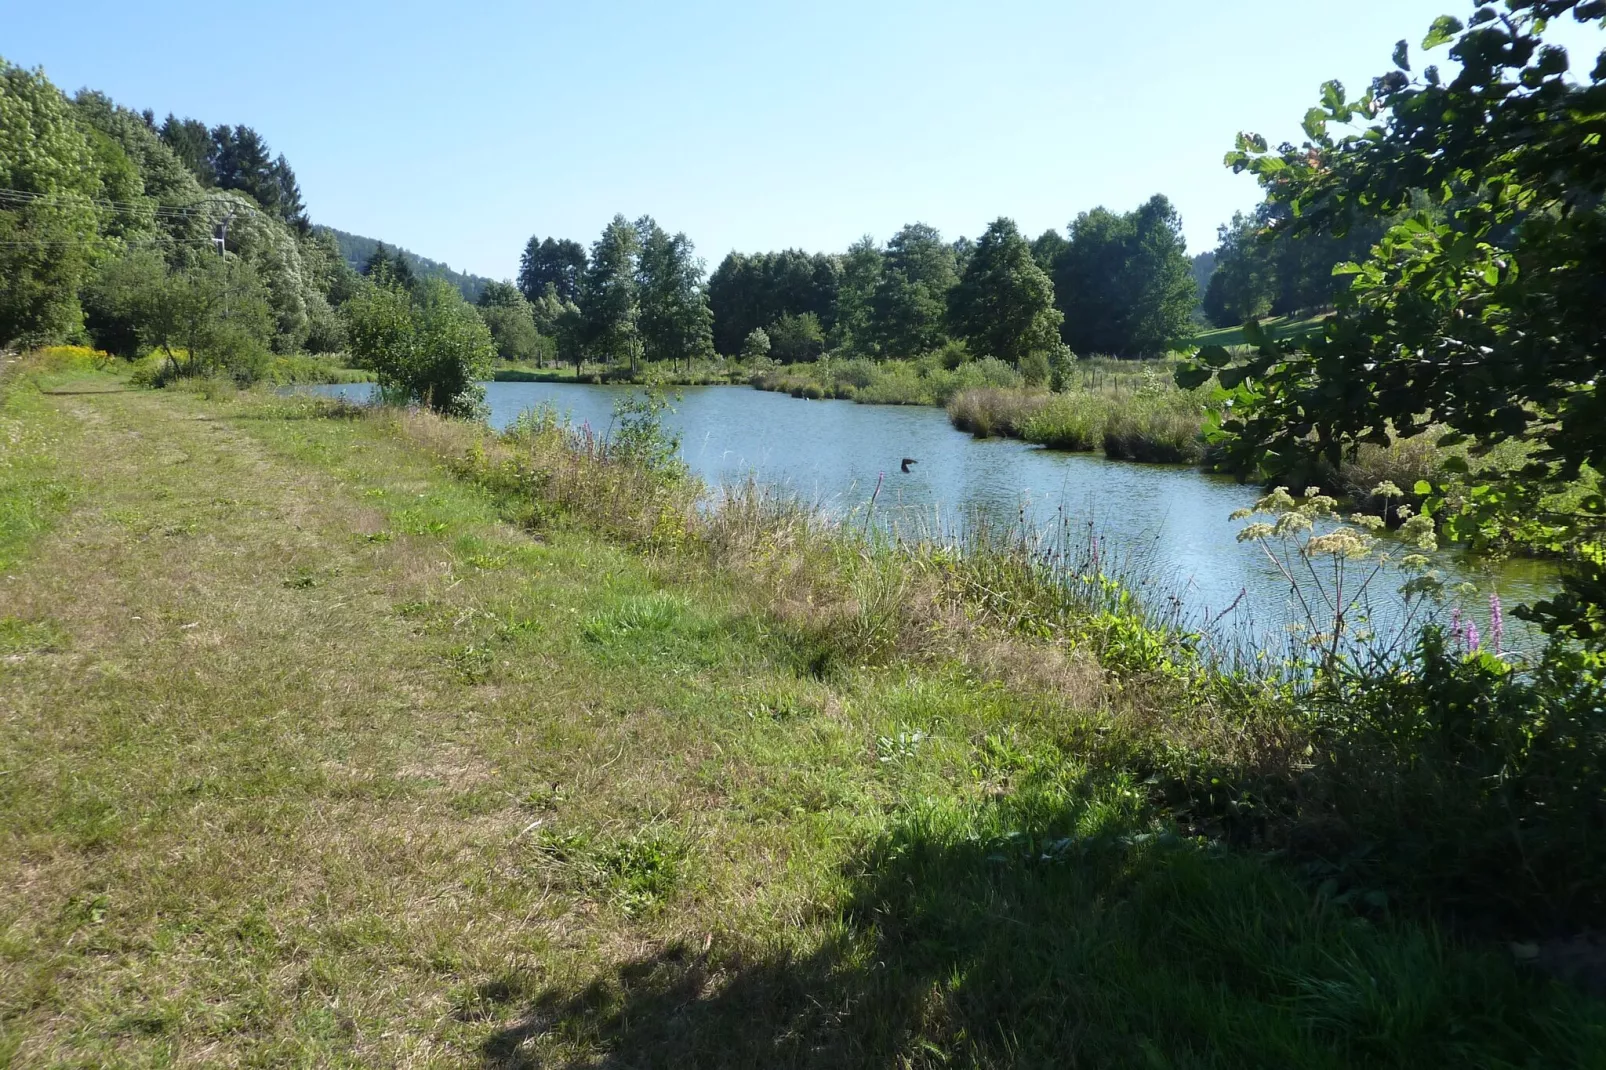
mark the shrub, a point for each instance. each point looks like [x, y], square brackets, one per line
[1034, 369]
[898, 384]
[427, 346]
[757, 345]
[1166, 429]
[1487, 786]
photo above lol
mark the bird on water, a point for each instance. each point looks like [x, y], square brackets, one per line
[907, 461]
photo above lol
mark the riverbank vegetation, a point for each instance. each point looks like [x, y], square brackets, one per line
[505, 750]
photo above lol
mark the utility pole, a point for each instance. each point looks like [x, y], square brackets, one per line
[220, 233]
[221, 237]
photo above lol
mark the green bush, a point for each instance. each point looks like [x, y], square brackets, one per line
[1484, 788]
[425, 345]
[1034, 368]
[898, 384]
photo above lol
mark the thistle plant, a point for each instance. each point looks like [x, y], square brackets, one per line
[1332, 563]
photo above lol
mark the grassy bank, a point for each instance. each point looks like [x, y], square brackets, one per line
[1131, 411]
[699, 373]
[928, 381]
[381, 740]
[305, 369]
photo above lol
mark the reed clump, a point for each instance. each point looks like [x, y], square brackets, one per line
[1131, 417]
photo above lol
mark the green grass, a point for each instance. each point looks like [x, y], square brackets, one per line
[1131, 410]
[327, 745]
[303, 368]
[1277, 326]
[927, 381]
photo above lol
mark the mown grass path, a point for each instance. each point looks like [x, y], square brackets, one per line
[313, 757]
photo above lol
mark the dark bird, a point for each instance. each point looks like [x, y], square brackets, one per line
[907, 461]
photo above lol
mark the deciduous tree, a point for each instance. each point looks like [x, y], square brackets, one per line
[676, 323]
[910, 305]
[1124, 283]
[1003, 306]
[608, 294]
[1487, 315]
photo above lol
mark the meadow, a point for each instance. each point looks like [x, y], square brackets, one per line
[380, 739]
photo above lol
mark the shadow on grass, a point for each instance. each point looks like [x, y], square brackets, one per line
[1054, 928]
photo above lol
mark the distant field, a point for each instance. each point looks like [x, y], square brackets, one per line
[1279, 326]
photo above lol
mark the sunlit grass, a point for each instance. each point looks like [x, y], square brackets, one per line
[342, 738]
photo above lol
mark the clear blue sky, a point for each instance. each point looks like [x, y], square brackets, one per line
[458, 130]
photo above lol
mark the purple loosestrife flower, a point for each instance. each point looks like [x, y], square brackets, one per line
[1497, 623]
[1472, 635]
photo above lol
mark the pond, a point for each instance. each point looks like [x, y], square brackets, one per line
[1168, 524]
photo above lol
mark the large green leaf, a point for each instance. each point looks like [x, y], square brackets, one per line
[1442, 32]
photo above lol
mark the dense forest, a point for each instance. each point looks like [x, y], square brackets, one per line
[1112, 284]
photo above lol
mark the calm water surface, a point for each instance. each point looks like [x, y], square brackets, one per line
[1170, 523]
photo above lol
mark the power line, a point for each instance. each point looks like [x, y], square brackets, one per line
[22, 199]
[103, 241]
[176, 210]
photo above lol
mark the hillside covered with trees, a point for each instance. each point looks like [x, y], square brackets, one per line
[189, 248]
[357, 250]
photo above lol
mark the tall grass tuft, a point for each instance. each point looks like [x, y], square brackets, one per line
[988, 411]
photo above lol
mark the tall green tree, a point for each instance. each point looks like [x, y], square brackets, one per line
[910, 305]
[50, 228]
[191, 142]
[1046, 249]
[511, 320]
[1487, 314]
[385, 265]
[555, 262]
[1003, 305]
[675, 322]
[861, 274]
[1124, 282]
[1244, 284]
[750, 291]
[609, 300]
[796, 338]
[1266, 265]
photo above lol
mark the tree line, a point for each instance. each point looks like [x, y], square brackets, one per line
[108, 218]
[1114, 283]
